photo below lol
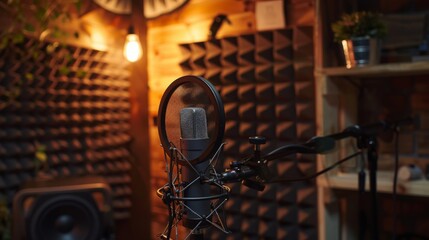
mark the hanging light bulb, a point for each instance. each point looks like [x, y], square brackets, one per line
[132, 48]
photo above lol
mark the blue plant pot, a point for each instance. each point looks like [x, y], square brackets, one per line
[361, 51]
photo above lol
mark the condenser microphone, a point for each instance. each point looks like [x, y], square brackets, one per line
[194, 140]
[192, 146]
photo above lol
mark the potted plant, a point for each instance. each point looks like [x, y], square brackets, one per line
[38, 22]
[5, 221]
[360, 35]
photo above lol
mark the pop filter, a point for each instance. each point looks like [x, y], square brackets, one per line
[191, 92]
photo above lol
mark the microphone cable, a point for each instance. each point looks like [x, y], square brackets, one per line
[286, 180]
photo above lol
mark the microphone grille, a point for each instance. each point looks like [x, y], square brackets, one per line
[193, 123]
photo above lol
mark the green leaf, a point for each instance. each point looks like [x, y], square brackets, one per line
[29, 76]
[29, 27]
[81, 73]
[41, 148]
[359, 24]
[18, 38]
[56, 33]
[68, 57]
[63, 70]
[55, 15]
[35, 55]
[41, 157]
[4, 42]
[40, 13]
[78, 5]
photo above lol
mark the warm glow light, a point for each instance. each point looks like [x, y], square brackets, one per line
[132, 48]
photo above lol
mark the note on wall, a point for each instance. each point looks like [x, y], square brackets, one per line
[270, 15]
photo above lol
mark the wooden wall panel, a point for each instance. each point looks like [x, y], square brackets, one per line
[198, 10]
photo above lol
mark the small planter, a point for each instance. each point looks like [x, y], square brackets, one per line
[361, 51]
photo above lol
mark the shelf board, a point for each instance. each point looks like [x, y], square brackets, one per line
[384, 184]
[385, 70]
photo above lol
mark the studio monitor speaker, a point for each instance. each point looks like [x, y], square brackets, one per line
[64, 209]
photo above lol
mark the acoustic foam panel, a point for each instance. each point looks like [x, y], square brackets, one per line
[76, 105]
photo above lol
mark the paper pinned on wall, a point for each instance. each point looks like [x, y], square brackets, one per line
[270, 15]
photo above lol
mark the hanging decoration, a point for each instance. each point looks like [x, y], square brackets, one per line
[156, 8]
[116, 6]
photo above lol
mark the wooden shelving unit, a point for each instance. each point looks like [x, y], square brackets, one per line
[337, 92]
[337, 109]
[337, 104]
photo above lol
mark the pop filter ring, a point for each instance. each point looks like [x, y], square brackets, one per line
[215, 99]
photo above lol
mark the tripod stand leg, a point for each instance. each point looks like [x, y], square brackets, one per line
[197, 235]
[372, 163]
[362, 215]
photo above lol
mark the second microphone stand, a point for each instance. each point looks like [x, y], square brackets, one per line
[366, 142]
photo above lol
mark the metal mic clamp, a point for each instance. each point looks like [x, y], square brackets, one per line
[252, 167]
[253, 184]
[261, 164]
[257, 141]
[252, 171]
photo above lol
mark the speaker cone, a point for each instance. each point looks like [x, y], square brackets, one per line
[65, 217]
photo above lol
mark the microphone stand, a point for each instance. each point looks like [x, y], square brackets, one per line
[253, 172]
[373, 165]
[197, 234]
[369, 143]
[361, 199]
[366, 137]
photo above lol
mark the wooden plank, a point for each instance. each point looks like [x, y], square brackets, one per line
[154, 99]
[301, 13]
[163, 50]
[198, 31]
[198, 10]
[384, 184]
[160, 83]
[385, 70]
[167, 66]
[173, 33]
